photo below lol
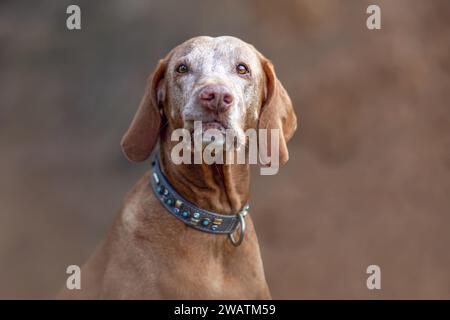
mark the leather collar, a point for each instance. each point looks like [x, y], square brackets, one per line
[190, 214]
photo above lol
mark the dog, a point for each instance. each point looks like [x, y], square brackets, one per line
[150, 254]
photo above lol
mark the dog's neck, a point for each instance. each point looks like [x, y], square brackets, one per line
[223, 188]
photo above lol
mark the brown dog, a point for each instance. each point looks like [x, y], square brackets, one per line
[225, 83]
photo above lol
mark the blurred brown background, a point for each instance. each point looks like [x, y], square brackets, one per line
[369, 177]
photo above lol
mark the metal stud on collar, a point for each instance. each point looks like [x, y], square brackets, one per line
[241, 226]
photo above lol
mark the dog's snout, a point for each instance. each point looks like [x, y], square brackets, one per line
[216, 98]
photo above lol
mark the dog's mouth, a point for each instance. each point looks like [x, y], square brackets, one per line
[196, 125]
[213, 125]
[207, 132]
[213, 132]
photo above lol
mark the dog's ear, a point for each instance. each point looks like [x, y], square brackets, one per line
[143, 133]
[277, 111]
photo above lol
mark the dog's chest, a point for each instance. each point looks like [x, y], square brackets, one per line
[214, 279]
[169, 260]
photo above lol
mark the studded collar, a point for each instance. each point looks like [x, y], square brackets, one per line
[192, 215]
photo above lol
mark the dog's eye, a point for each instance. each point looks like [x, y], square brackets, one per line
[242, 69]
[182, 68]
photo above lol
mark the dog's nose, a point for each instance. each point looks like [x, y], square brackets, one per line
[216, 98]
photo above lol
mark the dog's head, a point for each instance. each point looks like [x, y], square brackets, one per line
[223, 82]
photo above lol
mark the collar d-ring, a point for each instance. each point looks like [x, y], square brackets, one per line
[241, 227]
